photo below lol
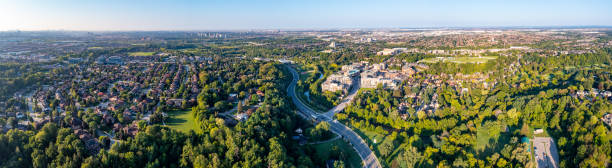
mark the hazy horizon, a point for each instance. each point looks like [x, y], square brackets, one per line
[187, 15]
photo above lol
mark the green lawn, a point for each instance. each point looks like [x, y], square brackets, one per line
[482, 138]
[487, 144]
[351, 158]
[591, 67]
[95, 48]
[181, 120]
[459, 60]
[138, 54]
[304, 76]
[370, 137]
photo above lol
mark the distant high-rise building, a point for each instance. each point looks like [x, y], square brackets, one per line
[333, 44]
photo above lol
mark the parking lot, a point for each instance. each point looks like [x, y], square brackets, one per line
[546, 154]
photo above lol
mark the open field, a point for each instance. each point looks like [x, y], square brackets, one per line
[137, 54]
[325, 150]
[460, 60]
[95, 48]
[489, 141]
[371, 136]
[592, 67]
[181, 120]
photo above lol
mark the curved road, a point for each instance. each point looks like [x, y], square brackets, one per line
[367, 156]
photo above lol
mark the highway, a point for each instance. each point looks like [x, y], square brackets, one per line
[367, 156]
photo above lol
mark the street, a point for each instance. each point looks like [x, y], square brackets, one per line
[367, 156]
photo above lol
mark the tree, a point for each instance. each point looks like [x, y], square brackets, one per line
[410, 157]
[321, 131]
[339, 164]
[386, 148]
[12, 122]
[525, 130]
[277, 155]
[239, 107]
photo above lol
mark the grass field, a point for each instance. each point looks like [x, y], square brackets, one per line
[459, 60]
[351, 158]
[482, 138]
[138, 54]
[181, 120]
[95, 48]
[370, 137]
[487, 144]
[592, 67]
[373, 136]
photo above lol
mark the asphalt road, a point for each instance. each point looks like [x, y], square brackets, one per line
[367, 156]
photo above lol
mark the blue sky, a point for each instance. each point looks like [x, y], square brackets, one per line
[295, 14]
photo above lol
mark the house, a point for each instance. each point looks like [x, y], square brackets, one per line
[19, 115]
[260, 93]
[538, 131]
[76, 123]
[108, 119]
[607, 119]
[175, 102]
[90, 142]
[241, 117]
[391, 51]
[232, 97]
[250, 111]
[131, 130]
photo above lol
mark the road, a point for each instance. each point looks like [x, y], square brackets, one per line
[367, 156]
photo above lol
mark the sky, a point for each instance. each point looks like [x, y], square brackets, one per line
[134, 15]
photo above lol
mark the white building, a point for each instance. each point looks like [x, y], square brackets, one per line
[391, 51]
[333, 44]
[337, 82]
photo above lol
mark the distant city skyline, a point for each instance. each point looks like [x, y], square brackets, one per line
[137, 15]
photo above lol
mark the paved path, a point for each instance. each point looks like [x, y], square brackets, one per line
[367, 156]
[325, 141]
